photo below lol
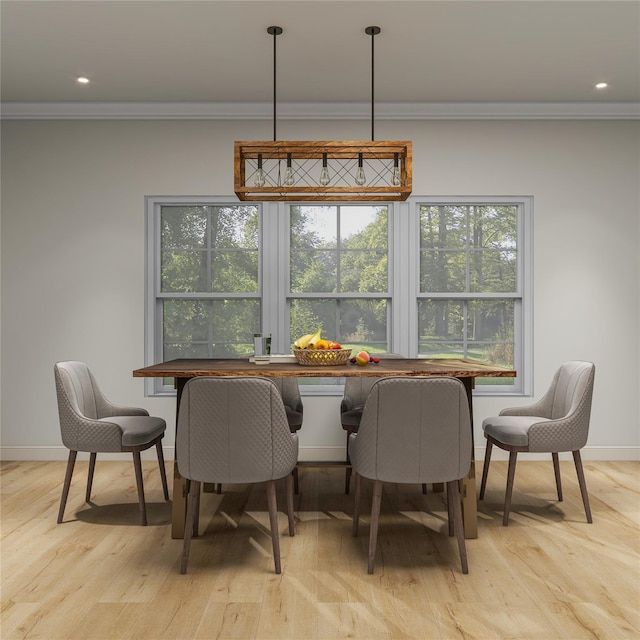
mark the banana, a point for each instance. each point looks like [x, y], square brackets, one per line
[314, 339]
[305, 342]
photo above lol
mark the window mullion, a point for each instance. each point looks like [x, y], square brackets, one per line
[404, 261]
[270, 242]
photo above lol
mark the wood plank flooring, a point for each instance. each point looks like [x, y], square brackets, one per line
[99, 575]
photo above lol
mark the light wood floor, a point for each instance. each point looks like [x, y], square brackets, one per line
[101, 575]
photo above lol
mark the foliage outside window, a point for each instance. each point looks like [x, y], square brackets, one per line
[339, 277]
[209, 290]
[469, 283]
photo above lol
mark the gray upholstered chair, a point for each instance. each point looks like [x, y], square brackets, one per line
[356, 390]
[558, 422]
[290, 393]
[234, 430]
[413, 430]
[89, 422]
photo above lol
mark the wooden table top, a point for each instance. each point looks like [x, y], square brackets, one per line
[454, 367]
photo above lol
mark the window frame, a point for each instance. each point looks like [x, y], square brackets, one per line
[523, 308]
[403, 280]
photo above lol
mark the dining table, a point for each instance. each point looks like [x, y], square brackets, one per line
[464, 369]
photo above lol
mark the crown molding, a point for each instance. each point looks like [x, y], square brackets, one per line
[319, 111]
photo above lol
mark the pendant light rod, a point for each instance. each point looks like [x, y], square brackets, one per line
[372, 31]
[275, 32]
[352, 170]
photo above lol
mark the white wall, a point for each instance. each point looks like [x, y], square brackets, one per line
[73, 250]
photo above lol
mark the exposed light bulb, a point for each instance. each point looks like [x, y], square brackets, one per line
[361, 178]
[396, 178]
[289, 178]
[325, 178]
[260, 177]
[602, 85]
[83, 80]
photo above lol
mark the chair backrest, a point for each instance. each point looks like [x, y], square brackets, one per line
[289, 391]
[415, 430]
[356, 389]
[80, 405]
[567, 403]
[571, 385]
[234, 430]
[77, 387]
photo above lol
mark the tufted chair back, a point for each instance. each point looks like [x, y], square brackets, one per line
[234, 430]
[414, 430]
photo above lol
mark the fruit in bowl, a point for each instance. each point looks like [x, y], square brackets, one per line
[308, 341]
[316, 342]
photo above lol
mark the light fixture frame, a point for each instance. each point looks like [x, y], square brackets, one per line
[300, 151]
[383, 157]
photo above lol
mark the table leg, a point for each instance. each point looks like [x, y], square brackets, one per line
[468, 483]
[469, 502]
[180, 484]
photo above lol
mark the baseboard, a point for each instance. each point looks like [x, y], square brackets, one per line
[322, 454]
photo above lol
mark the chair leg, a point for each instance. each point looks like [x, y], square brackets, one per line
[450, 509]
[190, 524]
[356, 504]
[453, 490]
[577, 459]
[273, 521]
[92, 468]
[163, 471]
[138, 469]
[294, 475]
[513, 456]
[375, 519]
[348, 470]
[556, 471]
[424, 488]
[196, 515]
[67, 483]
[485, 468]
[290, 481]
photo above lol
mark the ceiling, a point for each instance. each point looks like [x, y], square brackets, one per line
[453, 51]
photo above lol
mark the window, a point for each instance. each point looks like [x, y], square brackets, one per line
[470, 299]
[206, 287]
[338, 266]
[423, 278]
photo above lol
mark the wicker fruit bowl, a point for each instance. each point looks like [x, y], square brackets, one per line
[321, 357]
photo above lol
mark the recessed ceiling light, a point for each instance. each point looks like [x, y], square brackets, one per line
[82, 80]
[601, 85]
